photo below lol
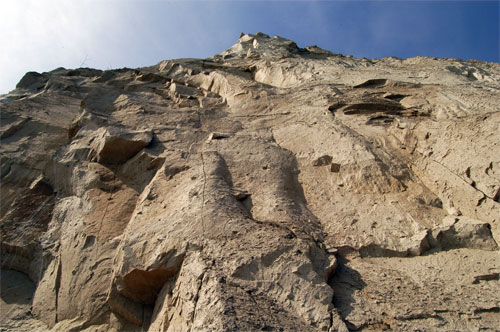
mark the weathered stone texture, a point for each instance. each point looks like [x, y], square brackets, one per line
[267, 188]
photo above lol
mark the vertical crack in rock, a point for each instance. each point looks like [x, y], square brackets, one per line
[203, 192]
[57, 286]
[197, 296]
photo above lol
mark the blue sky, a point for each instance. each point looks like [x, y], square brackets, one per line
[38, 35]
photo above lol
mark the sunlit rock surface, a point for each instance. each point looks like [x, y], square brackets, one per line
[267, 188]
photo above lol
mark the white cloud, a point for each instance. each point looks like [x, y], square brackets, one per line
[43, 35]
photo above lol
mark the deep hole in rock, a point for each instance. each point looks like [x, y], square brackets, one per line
[144, 286]
[89, 241]
[335, 168]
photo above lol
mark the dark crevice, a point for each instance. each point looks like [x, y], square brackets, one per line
[333, 108]
[496, 198]
[197, 295]
[380, 120]
[369, 108]
[485, 310]
[486, 277]
[57, 287]
[395, 97]
[373, 83]
[345, 282]
[246, 201]
[89, 241]
[418, 316]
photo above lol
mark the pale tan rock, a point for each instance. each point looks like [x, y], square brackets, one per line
[268, 187]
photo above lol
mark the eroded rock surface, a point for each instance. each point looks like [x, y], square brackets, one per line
[267, 188]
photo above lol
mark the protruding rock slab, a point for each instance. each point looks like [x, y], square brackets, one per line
[116, 146]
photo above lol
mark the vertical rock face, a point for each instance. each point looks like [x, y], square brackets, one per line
[268, 188]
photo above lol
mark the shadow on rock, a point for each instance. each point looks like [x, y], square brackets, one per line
[345, 282]
[16, 287]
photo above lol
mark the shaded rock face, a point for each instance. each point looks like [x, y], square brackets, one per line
[268, 188]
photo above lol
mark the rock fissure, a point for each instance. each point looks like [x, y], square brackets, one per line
[203, 193]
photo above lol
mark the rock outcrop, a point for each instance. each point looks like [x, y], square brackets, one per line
[267, 188]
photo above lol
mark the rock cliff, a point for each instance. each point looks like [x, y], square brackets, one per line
[267, 188]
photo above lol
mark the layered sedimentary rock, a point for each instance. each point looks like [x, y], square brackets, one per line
[267, 188]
